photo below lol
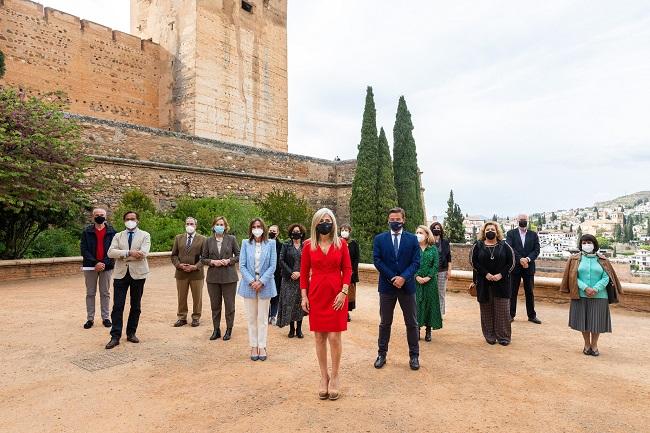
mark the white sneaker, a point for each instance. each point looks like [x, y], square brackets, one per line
[273, 321]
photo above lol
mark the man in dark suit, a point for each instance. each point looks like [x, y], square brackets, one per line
[525, 244]
[396, 255]
[186, 258]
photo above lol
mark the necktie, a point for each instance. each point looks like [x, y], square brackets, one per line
[395, 244]
[189, 244]
[130, 239]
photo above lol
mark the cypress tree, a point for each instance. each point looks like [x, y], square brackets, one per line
[386, 192]
[405, 168]
[2, 64]
[363, 202]
[454, 229]
[579, 235]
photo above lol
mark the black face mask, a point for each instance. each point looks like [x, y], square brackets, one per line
[436, 232]
[100, 219]
[396, 225]
[297, 236]
[272, 235]
[490, 235]
[523, 223]
[324, 228]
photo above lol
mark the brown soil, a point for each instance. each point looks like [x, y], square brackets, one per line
[179, 381]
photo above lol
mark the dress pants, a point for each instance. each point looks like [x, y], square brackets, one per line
[408, 305]
[495, 321]
[275, 301]
[120, 287]
[529, 284]
[103, 280]
[222, 292]
[183, 287]
[258, 320]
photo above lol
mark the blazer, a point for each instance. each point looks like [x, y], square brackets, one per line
[405, 264]
[229, 250]
[268, 262]
[289, 259]
[138, 269]
[191, 257]
[530, 249]
[89, 246]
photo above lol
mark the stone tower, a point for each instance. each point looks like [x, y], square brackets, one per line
[228, 63]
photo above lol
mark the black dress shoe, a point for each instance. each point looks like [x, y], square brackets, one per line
[427, 336]
[414, 363]
[504, 342]
[216, 334]
[380, 361]
[114, 342]
[195, 323]
[491, 341]
[132, 338]
[299, 334]
[89, 324]
[180, 322]
[228, 334]
[535, 320]
[107, 323]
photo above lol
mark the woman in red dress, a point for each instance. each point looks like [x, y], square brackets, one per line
[325, 272]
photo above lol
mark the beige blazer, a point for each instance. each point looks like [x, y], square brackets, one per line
[193, 257]
[138, 269]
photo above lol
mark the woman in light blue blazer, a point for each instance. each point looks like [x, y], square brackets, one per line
[257, 261]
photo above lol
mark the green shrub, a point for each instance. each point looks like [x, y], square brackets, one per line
[237, 211]
[134, 200]
[285, 208]
[162, 228]
[55, 242]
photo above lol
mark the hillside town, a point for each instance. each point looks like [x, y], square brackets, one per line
[623, 231]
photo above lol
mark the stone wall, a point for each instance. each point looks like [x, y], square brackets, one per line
[167, 165]
[105, 73]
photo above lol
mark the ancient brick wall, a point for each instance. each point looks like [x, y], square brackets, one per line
[105, 73]
[167, 165]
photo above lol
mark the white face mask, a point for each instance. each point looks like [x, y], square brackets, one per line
[190, 229]
[345, 234]
[588, 248]
[258, 232]
[130, 224]
[420, 237]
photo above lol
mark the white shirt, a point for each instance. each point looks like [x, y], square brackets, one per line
[522, 235]
[258, 255]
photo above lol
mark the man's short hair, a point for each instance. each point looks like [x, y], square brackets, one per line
[397, 210]
[128, 212]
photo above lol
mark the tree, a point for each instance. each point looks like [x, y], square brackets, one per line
[618, 233]
[405, 168]
[494, 217]
[474, 234]
[284, 208]
[603, 242]
[363, 202]
[579, 235]
[135, 200]
[454, 228]
[2, 64]
[570, 228]
[553, 217]
[41, 169]
[386, 192]
[647, 230]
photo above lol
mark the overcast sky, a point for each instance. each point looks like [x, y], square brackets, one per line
[517, 105]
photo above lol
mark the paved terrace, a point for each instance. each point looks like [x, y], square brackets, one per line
[57, 377]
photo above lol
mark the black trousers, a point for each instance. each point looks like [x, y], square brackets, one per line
[120, 287]
[275, 301]
[408, 305]
[529, 284]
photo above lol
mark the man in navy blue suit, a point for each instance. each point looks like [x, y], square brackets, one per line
[396, 255]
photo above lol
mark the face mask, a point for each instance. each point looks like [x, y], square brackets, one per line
[258, 232]
[436, 232]
[396, 226]
[490, 235]
[523, 223]
[219, 229]
[324, 228]
[272, 235]
[588, 248]
[131, 224]
[100, 219]
[420, 237]
[296, 236]
[190, 229]
[345, 234]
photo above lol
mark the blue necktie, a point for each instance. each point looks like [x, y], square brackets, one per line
[130, 239]
[395, 244]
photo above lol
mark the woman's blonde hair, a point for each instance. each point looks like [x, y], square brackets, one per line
[334, 234]
[427, 231]
[481, 235]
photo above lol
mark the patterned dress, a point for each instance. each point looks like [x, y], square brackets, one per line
[426, 295]
[289, 308]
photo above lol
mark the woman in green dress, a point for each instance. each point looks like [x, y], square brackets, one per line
[426, 279]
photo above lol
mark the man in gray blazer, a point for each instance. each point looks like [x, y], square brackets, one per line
[186, 257]
[129, 248]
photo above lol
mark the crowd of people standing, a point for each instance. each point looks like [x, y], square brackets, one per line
[314, 274]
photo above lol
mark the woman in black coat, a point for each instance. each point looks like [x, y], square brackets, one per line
[353, 247]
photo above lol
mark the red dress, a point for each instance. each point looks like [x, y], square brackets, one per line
[323, 275]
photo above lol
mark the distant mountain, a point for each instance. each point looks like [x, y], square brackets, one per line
[626, 200]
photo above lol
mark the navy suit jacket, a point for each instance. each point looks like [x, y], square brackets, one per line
[405, 264]
[530, 249]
